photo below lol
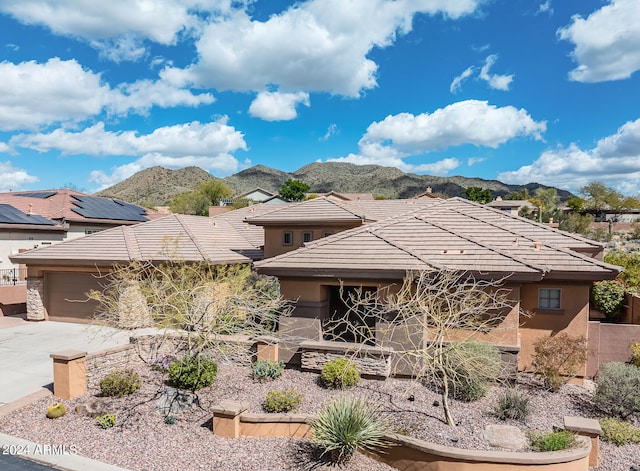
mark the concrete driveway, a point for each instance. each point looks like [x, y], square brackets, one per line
[25, 348]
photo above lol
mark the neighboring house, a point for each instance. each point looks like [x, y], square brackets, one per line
[348, 196]
[549, 272]
[513, 207]
[427, 194]
[59, 277]
[257, 195]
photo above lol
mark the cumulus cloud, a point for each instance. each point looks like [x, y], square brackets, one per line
[615, 160]
[207, 145]
[14, 178]
[315, 46]
[606, 42]
[392, 140]
[495, 81]
[34, 94]
[276, 106]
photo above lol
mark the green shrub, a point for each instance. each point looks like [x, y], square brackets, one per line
[193, 373]
[512, 404]
[106, 420]
[348, 424]
[119, 383]
[170, 420]
[608, 297]
[266, 370]
[558, 358]
[282, 401]
[472, 367]
[340, 373]
[619, 432]
[553, 441]
[56, 410]
[635, 354]
[618, 389]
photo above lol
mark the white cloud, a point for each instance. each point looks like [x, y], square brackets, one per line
[545, 8]
[475, 160]
[33, 95]
[191, 139]
[390, 141]
[14, 178]
[456, 84]
[615, 161]
[606, 42]
[495, 81]
[276, 106]
[332, 130]
[4, 147]
[314, 46]
[465, 122]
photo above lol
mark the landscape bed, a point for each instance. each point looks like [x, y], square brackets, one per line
[141, 440]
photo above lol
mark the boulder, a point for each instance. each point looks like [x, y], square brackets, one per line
[507, 437]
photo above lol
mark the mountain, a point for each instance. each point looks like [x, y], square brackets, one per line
[155, 186]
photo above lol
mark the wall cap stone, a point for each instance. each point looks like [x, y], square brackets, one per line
[331, 346]
[582, 425]
[229, 408]
[109, 351]
[275, 418]
[68, 355]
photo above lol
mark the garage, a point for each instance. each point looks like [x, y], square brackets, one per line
[66, 296]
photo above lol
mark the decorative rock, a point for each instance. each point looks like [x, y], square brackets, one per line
[172, 401]
[505, 436]
[94, 407]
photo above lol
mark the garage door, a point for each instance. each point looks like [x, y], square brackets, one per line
[66, 296]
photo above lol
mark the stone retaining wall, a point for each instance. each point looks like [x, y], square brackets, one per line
[101, 363]
[371, 361]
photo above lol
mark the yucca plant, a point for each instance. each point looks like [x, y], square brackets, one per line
[348, 424]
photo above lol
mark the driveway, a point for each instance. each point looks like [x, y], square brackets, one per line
[25, 348]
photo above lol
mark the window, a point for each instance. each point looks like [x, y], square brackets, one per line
[307, 236]
[548, 298]
[327, 234]
[287, 238]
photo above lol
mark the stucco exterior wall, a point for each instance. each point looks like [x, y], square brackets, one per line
[273, 236]
[572, 318]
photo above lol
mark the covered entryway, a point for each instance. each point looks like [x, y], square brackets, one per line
[346, 324]
[66, 296]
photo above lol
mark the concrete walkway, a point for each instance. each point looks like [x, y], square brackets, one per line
[25, 348]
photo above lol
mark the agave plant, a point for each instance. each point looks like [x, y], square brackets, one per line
[348, 424]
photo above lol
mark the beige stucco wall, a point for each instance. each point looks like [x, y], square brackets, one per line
[273, 236]
[572, 318]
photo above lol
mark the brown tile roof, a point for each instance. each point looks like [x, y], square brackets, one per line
[189, 238]
[64, 204]
[454, 234]
[324, 209]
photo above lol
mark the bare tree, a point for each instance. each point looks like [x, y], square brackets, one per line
[439, 323]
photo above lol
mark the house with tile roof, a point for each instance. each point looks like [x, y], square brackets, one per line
[60, 276]
[548, 272]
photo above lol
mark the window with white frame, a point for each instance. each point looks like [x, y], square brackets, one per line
[549, 298]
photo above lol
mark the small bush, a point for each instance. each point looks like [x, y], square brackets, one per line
[553, 441]
[170, 420]
[193, 373]
[267, 370]
[119, 383]
[635, 354]
[618, 389]
[608, 297]
[618, 432]
[512, 404]
[106, 421]
[282, 401]
[558, 358]
[472, 367]
[340, 373]
[348, 424]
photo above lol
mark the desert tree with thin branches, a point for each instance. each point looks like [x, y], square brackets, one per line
[439, 323]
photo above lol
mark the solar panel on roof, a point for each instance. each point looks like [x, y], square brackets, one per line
[39, 194]
[11, 215]
[94, 207]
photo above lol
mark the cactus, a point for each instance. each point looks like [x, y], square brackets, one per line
[55, 410]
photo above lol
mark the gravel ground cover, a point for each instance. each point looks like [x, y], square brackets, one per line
[141, 440]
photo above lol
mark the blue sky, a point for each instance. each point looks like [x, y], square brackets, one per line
[522, 91]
